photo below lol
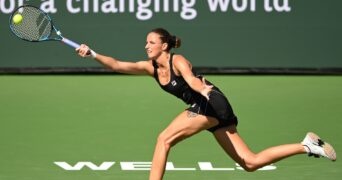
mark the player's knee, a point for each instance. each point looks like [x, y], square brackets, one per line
[250, 167]
[164, 141]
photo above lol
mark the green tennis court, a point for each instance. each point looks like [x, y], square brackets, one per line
[111, 122]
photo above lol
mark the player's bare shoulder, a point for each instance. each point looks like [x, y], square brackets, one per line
[181, 64]
[179, 57]
[180, 60]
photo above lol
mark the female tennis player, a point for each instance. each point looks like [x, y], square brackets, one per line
[209, 108]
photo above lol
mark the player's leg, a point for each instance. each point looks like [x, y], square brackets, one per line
[235, 147]
[183, 126]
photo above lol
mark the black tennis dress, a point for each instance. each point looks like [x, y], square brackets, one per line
[217, 106]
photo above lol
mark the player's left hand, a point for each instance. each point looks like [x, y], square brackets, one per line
[207, 88]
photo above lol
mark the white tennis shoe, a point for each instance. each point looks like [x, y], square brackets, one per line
[316, 147]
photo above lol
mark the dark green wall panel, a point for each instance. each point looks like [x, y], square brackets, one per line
[245, 33]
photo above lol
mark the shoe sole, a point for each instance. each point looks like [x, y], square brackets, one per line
[328, 149]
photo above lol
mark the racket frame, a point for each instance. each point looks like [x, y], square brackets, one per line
[53, 29]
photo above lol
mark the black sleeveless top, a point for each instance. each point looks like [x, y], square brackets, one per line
[177, 85]
[217, 106]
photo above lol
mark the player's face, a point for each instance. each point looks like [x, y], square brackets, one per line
[154, 46]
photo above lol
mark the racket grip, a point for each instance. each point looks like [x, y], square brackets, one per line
[70, 43]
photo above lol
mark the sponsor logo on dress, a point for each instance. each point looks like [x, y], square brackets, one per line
[174, 83]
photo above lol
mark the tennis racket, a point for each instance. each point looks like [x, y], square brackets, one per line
[36, 26]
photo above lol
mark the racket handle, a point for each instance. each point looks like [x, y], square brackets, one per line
[70, 43]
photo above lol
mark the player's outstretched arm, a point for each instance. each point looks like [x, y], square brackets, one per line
[140, 67]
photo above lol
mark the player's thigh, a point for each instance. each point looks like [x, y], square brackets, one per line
[187, 124]
[233, 144]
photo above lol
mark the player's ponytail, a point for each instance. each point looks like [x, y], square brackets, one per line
[176, 42]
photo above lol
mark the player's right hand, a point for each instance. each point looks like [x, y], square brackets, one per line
[83, 51]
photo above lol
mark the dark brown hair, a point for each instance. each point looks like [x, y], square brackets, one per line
[166, 37]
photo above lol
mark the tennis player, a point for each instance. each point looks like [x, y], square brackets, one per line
[208, 109]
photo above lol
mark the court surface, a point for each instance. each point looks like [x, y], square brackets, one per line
[111, 122]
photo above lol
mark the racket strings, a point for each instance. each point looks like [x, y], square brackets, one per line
[35, 26]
